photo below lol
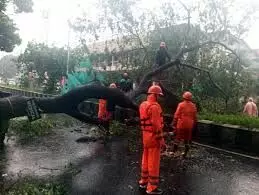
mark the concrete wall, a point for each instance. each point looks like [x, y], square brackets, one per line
[228, 136]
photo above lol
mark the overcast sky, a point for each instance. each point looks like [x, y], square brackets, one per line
[54, 30]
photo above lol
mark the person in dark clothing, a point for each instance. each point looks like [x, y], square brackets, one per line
[162, 54]
[161, 58]
[126, 83]
[110, 106]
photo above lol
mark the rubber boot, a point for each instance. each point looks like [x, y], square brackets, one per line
[175, 148]
[156, 191]
[187, 148]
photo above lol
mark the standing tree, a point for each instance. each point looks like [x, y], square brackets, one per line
[9, 37]
[53, 60]
[8, 66]
[191, 31]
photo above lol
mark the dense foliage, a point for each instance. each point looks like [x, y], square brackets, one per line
[8, 67]
[213, 38]
[9, 37]
[27, 130]
[137, 34]
[43, 58]
[241, 120]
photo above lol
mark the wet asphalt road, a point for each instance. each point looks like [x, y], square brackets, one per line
[110, 169]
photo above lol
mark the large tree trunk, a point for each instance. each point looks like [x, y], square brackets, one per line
[15, 106]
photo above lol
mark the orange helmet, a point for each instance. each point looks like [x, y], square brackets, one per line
[112, 85]
[155, 89]
[187, 95]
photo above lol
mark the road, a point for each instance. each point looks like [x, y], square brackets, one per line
[111, 169]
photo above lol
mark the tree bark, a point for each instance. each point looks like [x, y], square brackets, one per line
[15, 106]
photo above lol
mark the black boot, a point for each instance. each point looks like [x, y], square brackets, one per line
[156, 191]
[175, 148]
[187, 148]
[143, 186]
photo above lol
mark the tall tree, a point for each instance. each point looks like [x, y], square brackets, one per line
[8, 66]
[53, 60]
[191, 31]
[9, 37]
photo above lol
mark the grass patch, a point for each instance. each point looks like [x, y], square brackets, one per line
[117, 129]
[134, 140]
[37, 188]
[241, 120]
[62, 120]
[132, 134]
[42, 127]
[24, 128]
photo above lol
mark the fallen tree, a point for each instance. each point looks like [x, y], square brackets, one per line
[16, 106]
[69, 103]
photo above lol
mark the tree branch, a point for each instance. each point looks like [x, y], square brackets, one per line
[209, 75]
[144, 82]
[189, 21]
[186, 50]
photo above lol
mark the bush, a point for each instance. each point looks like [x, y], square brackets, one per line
[37, 128]
[241, 120]
[134, 140]
[116, 128]
[25, 129]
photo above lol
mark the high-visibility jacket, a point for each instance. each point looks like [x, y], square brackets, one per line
[185, 115]
[151, 120]
[102, 112]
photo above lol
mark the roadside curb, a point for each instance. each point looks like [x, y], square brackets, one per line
[227, 151]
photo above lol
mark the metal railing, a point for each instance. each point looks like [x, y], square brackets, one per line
[23, 92]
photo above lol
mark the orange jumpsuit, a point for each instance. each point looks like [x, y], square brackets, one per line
[185, 117]
[102, 112]
[151, 126]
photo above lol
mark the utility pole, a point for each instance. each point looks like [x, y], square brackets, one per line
[45, 16]
[68, 45]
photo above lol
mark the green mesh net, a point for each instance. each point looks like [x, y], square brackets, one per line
[82, 77]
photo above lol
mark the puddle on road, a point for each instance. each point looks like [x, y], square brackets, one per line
[46, 155]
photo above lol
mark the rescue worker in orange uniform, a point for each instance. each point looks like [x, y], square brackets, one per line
[104, 114]
[102, 109]
[185, 118]
[151, 125]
